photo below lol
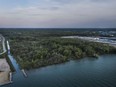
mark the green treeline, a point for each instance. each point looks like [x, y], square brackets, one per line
[36, 48]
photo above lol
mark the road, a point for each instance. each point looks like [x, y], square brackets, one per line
[13, 61]
[4, 66]
[3, 44]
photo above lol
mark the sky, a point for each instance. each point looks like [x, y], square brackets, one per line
[57, 13]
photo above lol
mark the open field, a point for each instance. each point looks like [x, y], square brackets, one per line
[4, 77]
[4, 71]
[4, 65]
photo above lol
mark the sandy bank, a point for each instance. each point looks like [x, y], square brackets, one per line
[4, 71]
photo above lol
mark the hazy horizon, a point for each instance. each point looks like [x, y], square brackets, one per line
[114, 29]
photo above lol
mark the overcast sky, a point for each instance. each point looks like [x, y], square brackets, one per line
[58, 13]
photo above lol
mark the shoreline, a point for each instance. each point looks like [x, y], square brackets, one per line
[6, 83]
[32, 69]
[94, 39]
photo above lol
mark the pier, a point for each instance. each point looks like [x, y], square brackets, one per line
[11, 77]
[24, 73]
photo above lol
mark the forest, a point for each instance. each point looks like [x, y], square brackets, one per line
[36, 48]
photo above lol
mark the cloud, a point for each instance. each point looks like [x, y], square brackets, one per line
[59, 13]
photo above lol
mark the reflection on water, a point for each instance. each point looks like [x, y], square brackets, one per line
[15, 64]
[87, 72]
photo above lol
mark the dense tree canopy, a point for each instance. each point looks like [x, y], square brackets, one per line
[40, 48]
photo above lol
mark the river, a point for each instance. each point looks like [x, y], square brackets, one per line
[86, 72]
[108, 40]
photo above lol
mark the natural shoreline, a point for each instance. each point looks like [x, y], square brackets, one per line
[64, 52]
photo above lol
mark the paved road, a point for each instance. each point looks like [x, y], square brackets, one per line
[3, 44]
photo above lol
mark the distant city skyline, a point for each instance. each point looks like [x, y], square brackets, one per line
[57, 13]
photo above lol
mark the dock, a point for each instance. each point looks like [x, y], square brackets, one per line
[11, 77]
[24, 73]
